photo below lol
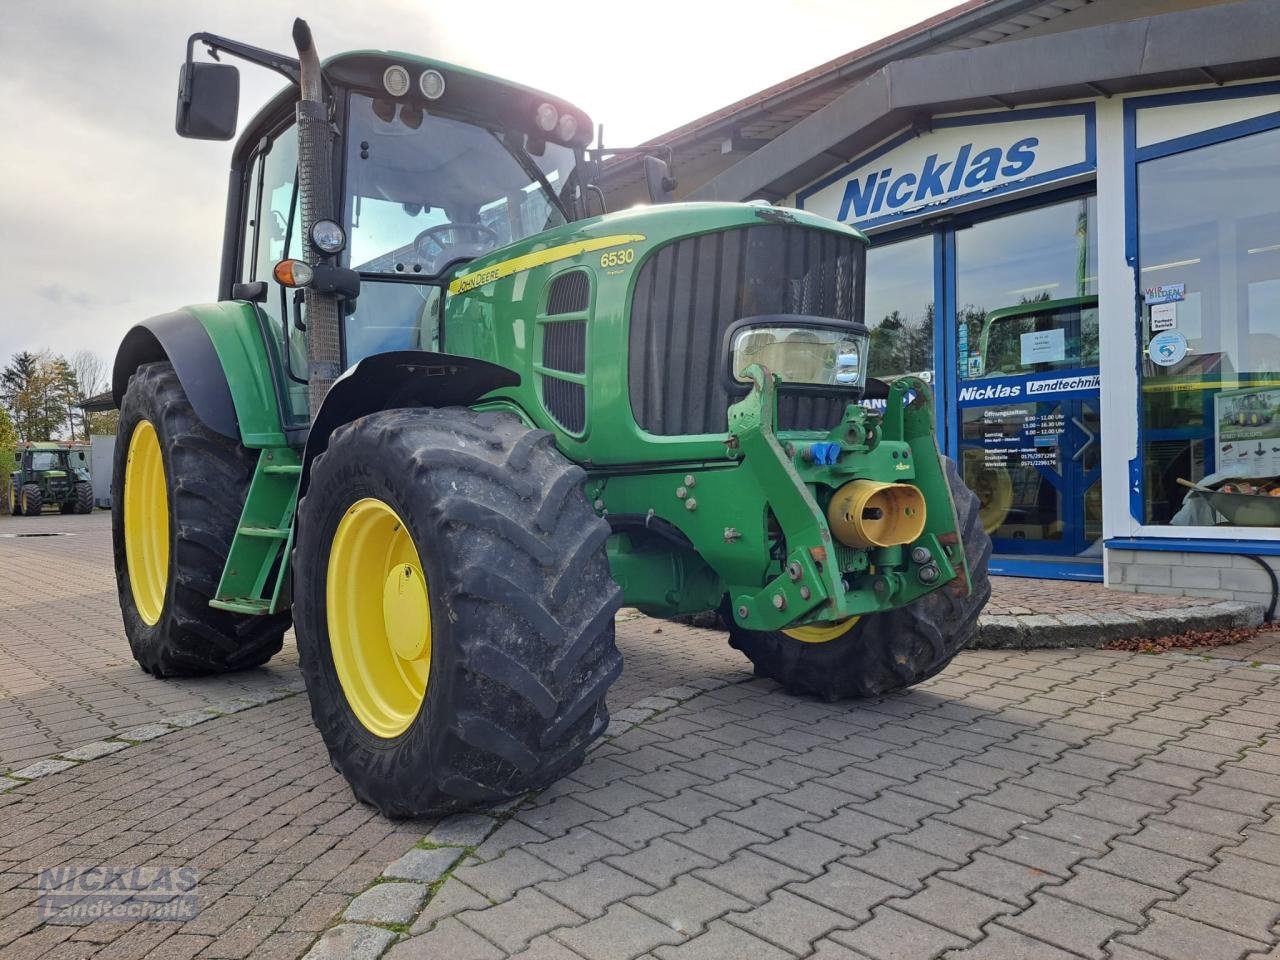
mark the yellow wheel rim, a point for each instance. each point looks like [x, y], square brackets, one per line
[814, 633]
[146, 522]
[379, 618]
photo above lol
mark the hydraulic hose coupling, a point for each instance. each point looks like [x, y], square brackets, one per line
[865, 513]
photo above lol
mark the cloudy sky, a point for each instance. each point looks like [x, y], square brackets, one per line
[107, 217]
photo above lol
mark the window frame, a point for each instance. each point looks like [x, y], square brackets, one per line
[1260, 540]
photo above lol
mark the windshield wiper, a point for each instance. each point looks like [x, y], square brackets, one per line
[533, 170]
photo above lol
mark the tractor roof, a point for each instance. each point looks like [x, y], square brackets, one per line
[467, 91]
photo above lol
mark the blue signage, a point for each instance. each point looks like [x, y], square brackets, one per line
[957, 160]
[870, 195]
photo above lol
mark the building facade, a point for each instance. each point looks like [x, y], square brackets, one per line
[1076, 238]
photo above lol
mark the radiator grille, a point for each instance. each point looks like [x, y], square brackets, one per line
[568, 293]
[564, 346]
[688, 294]
[566, 402]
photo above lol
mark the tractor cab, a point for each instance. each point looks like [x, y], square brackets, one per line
[433, 165]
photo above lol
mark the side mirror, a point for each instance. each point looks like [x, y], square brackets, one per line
[208, 101]
[658, 177]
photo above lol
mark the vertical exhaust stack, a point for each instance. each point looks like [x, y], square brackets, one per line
[315, 188]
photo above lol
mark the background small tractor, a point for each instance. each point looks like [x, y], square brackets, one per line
[447, 415]
[50, 475]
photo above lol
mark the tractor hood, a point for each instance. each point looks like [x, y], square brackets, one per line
[650, 226]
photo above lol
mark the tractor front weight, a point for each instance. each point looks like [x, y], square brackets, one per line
[795, 531]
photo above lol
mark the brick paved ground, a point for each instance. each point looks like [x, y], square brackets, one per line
[1020, 596]
[68, 677]
[1021, 804]
[69, 680]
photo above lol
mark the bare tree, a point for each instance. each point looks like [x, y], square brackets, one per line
[90, 372]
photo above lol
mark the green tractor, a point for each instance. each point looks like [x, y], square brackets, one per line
[447, 416]
[49, 475]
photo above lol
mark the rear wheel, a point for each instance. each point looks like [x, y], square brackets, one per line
[84, 498]
[15, 499]
[32, 499]
[176, 494]
[454, 609]
[872, 655]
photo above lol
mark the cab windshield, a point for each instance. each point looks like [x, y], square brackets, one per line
[426, 192]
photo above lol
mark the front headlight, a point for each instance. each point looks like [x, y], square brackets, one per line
[829, 354]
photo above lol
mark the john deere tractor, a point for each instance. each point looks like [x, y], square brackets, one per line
[49, 475]
[447, 415]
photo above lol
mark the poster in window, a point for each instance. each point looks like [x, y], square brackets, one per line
[1246, 432]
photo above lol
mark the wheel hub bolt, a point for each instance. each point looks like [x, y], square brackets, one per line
[920, 555]
[929, 574]
[743, 612]
[805, 593]
[793, 570]
[779, 602]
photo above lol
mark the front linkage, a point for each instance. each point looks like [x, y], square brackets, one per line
[861, 521]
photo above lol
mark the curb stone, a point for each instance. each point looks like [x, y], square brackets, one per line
[351, 941]
[1037, 631]
[123, 739]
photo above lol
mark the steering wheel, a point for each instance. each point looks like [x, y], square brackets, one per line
[430, 245]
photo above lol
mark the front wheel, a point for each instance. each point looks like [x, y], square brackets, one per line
[453, 609]
[15, 500]
[880, 653]
[84, 498]
[32, 500]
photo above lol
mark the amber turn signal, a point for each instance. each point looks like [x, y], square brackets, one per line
[293, 273]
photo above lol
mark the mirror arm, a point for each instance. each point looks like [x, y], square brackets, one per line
[287, 66]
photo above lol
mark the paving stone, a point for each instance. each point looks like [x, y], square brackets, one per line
[1001, 943]
[720, 942]
[635, 828]
[452, 897]
[718, 838]
[952, 907]
[1010, 882]
[1177, 938]
[94, 749]
[1119, 897]
[1247, 915]
[145, 732]
[511, 834]
[351, 941]
[500, 878]
[461, 830]
[890, 935]
[1162, 870]
[424, 866]
[1068, 925]
[591, 891]
[687, 905]
[511, 925]
[623, 931]
[802, 849]
[749, 876]
[847, 890]
[789, 921]
[387, 903]
[450, 939]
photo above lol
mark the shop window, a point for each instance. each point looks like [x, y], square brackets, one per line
[899, 308]
[1209, 278]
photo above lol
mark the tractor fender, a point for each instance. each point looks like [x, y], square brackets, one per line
[401, 378]
[180, 338]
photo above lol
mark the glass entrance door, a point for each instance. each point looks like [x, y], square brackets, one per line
[1029, 428]
[1010, 305]
[1025, 394]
